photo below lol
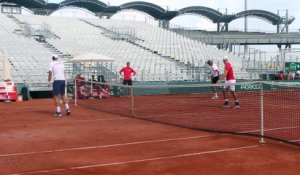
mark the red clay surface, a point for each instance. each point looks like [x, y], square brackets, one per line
[32, 141]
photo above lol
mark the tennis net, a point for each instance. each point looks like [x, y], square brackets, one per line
[267, 109]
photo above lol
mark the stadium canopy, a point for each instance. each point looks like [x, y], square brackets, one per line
[28, 3]
[91, 5]
[209, 13]
[153, 10]
[261, 14]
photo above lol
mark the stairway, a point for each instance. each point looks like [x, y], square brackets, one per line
[42, 39]
[109, 33]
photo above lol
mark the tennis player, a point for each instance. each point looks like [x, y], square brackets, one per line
[57, 72]
[229, 83]
[127, 73]
[214, 75]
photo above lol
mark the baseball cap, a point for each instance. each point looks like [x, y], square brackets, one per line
[225, 57]
[55, 56]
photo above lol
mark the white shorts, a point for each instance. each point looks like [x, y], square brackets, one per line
[230, 85]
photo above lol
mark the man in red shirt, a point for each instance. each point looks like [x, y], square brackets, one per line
[281, 76]
[127, 73]
[229, 84]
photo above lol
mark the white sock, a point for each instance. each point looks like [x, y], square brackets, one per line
[58, 109]
[216, 94]
[67, 106]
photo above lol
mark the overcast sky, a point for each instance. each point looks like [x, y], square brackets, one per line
[232, 6]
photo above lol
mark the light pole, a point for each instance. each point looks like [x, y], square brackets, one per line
[246, 25]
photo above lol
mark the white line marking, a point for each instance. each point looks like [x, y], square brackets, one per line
[140, 160]
[294, 140]
[166, 115]
[273, 129]
[69, 121]
[107, 146]
[38, 108]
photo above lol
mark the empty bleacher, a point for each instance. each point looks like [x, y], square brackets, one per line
[1, 65]
[82, 38]
[157, 54]
[28, 59]
[169, 44]
[291, 55]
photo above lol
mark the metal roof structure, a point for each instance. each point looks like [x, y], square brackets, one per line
[214, 15]
[28, 3]
[153, 10]
[91, 5]
[262, 14]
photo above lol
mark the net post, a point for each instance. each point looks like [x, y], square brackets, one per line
[262, 113]
[132, 101]
[75, 91]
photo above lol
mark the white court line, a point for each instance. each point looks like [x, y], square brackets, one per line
[107, 146]
[35, 108]
[30, 107]
[69, 121]
[166, 115]
[24, 109]
[140, 160]
[273, 129]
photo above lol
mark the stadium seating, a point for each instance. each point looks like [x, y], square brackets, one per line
[1, 65]
[91, 40]
[28, 59]
[170, 44]
[292, 55]
[157, 54]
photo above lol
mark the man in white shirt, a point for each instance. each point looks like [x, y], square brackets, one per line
[57, 72]
[214, 75]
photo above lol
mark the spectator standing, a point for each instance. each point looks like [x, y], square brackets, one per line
[289, 75]
[281, 76]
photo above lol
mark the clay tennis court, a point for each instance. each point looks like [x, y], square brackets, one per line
[94, 142]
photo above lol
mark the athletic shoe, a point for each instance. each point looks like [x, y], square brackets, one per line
[236, 107]
[68, 112]
[225, 106]
[215, 97]
[57, 114]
